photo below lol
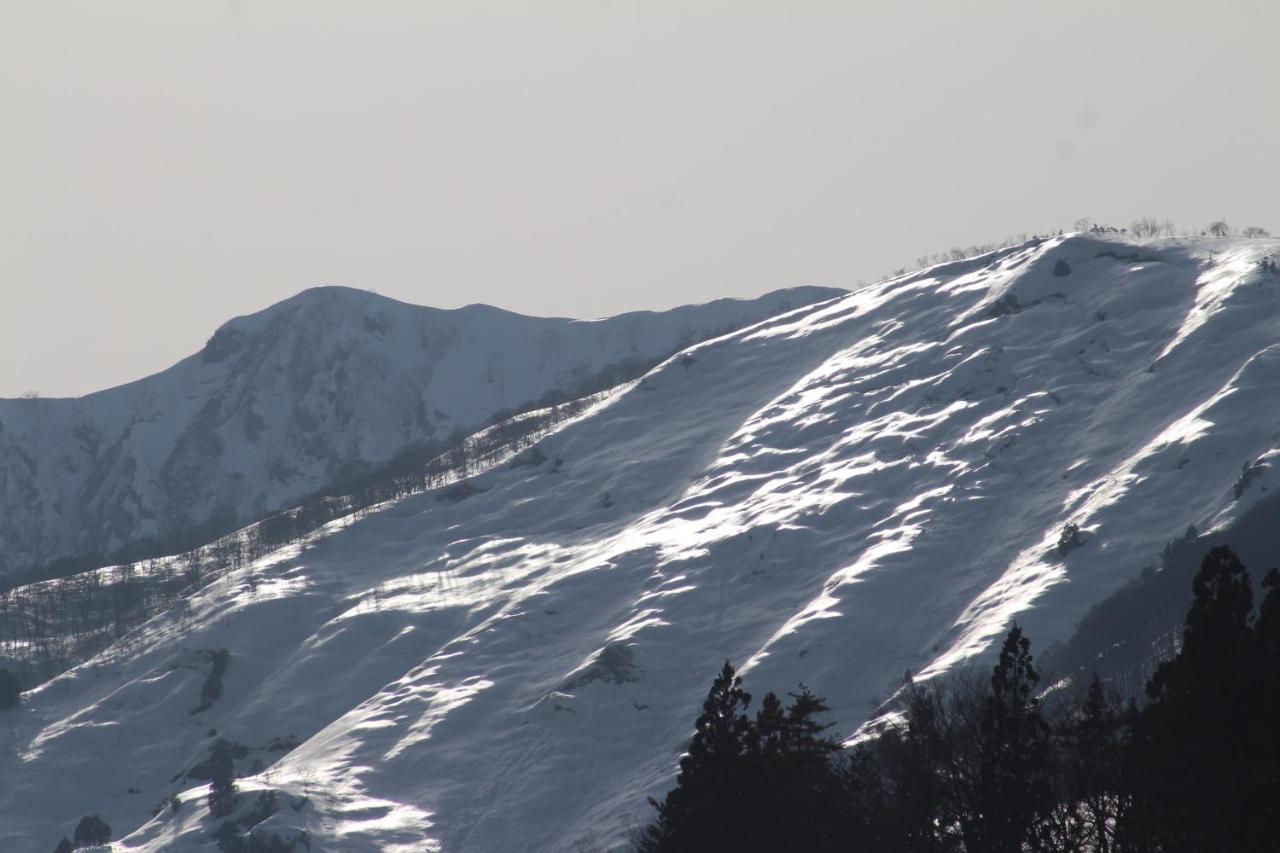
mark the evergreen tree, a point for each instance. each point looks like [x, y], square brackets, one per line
[764, 740]
[1265, 715]
[703, 811]
[767, 784]
[92, 830]
[1196, 769]
[804, 738]
[794, 796]
[222, 780]
[1014, 753]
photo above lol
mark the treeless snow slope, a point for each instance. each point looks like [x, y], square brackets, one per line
[835, 495]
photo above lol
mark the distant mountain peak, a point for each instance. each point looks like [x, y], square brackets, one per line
[279, 403]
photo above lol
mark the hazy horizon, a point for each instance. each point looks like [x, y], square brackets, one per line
[169, 167]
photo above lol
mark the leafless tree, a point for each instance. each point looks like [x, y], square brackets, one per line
[52, 624]
[1255, 231]
[1147, 226]
[1219, 228]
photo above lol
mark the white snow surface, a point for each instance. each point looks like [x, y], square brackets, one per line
[833, 496]
[282, 403]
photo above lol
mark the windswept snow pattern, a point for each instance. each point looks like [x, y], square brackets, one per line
[288, 401]
[863, 486]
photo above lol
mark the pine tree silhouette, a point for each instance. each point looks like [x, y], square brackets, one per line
[703, 811]
[1266, 743]
[1196, 768]
[794, 798]
[767, 784]
[222, 780]
[1014, 753]
[765, 739]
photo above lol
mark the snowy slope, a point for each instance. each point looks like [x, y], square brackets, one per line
[284, 402]
[835, 495]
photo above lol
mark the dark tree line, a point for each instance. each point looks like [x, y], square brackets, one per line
[767, 783]
[1004, 765]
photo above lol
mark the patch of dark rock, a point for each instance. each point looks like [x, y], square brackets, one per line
[614, 665]
[533, 457]
[212, 687]
[460, 492]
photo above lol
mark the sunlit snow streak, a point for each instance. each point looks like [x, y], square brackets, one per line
[1213, 288]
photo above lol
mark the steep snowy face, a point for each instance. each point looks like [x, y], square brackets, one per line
[291, 400]
[833, 496]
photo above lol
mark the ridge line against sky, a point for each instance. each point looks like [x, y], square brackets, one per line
[169, 166]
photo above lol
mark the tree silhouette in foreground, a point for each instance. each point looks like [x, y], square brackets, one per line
[707, 803]
[763, 784]
[1202, 762]
[986, 766]
[1012, 788]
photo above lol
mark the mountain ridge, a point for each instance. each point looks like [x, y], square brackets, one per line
[287, 401]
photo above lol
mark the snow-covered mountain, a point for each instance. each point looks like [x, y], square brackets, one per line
[861, 486]
[288, 401]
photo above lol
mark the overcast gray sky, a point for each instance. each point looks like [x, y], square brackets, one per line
[165, 166]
